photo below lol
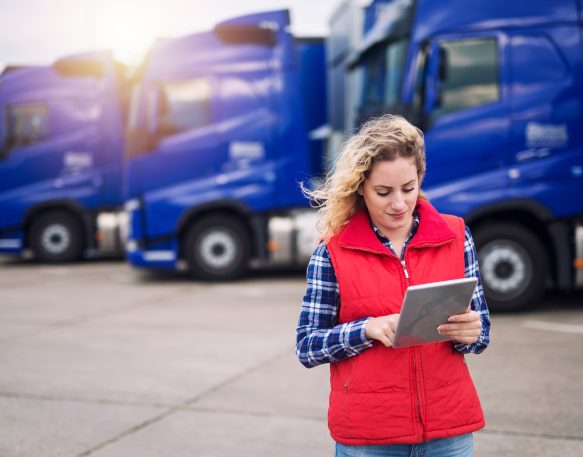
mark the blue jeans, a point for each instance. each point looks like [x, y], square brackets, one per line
[456, 446]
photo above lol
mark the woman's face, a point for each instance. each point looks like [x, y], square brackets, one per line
[390, 193]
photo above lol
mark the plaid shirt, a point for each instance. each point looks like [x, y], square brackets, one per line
[321, 340]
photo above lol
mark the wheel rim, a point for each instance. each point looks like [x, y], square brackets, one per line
[218, 249]
[506, 269]
[56, 239]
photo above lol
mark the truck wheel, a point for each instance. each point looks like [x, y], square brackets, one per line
[217, 248]
[56, 237]
[513, 266]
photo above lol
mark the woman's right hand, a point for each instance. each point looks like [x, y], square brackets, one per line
[382, 328]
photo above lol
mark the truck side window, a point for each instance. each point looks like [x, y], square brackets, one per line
[469, 74]
[383, 77]
[183, 105]
[24, 125]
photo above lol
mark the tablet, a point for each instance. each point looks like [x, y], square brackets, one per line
[427, 306]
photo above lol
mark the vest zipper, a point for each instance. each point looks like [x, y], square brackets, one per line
[417, 388]
[405, 268]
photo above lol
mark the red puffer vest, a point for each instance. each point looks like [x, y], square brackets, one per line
[407, 395]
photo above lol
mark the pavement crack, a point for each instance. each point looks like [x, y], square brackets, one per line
[93, 401]
[256, 414]
[185, 404]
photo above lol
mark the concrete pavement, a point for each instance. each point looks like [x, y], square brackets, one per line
[97, 359]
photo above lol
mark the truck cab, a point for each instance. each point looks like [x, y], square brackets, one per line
[218, 140]
[61, 155]
[497, 91]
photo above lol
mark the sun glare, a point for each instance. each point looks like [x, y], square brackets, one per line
[128, 28]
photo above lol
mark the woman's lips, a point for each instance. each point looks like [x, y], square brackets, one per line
[398, 215]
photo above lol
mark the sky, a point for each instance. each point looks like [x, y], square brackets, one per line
[37, 32]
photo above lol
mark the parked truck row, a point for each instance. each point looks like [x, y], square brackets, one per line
[205, 143]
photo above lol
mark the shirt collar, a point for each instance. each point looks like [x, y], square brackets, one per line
[383, 239]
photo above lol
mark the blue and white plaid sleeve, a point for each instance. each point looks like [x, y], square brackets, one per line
[478, 299]
[318, 339]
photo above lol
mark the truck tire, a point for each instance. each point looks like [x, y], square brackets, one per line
[513, 266]
[56, 237]
[217, 248]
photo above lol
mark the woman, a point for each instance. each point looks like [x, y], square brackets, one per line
[380, 234]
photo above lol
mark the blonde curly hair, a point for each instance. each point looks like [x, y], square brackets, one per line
[383, 138]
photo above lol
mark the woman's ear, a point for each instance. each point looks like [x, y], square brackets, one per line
[360, 190]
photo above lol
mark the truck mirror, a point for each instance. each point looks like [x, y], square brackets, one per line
[443, 64]
[245, 34]
[436, 73]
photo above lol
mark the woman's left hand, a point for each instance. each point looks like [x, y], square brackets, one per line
[463, 328]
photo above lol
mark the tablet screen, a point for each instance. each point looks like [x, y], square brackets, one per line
[427, 306]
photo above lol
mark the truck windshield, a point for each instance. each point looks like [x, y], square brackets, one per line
[383, 76]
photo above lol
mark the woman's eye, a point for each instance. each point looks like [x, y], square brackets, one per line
[382, 194]
[408, 190]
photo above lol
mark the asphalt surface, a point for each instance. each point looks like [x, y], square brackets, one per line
[98, 359]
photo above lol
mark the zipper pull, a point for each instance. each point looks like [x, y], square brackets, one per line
[405, 269]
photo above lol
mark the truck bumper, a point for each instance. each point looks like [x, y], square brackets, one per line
[12, 244]
[159, 259]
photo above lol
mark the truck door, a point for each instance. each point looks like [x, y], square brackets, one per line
[546, 119]
[49, 138]
[246, 159]
[25, 156]
[176, 163]
[24, 128]
[467, 123]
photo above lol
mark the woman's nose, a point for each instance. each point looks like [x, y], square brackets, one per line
[398, 202]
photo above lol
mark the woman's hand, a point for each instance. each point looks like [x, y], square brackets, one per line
[463, 328]
[382, 328]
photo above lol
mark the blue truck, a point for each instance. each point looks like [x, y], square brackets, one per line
[61, 157]
[222, 127]
[497, 88]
